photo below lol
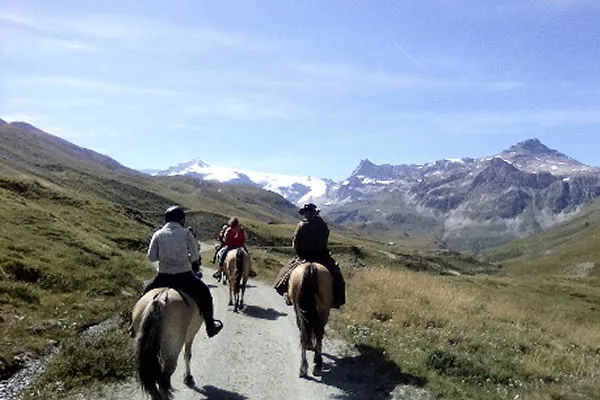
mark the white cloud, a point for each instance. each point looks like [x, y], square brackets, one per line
[87, 32]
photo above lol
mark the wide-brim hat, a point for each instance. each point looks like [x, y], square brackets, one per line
[309, 207]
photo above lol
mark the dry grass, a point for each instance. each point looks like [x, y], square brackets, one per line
[476, 337]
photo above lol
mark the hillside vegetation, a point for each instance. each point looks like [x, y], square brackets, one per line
[75, 226]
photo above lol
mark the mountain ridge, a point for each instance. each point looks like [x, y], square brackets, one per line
[468, 202]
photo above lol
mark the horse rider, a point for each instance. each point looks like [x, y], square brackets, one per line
[176, 250]
[234, 237]
[221, 239]
[311, 241]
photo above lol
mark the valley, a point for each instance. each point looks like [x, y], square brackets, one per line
[515, 321]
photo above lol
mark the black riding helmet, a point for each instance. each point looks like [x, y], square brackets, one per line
[174, 214]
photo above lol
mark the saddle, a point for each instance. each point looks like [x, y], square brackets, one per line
[180, 291]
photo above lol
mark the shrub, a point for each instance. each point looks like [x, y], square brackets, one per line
[85, 360]
[450, 364]
[19, 271]
[56, 282]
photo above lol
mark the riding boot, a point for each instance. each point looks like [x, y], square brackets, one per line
[339, 286]
[212, 326]
[207, 310]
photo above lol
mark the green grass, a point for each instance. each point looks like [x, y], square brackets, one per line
[85, 361]
[59, 268]
[75, 228]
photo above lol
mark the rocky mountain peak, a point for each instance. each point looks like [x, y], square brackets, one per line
[365, 167]
[2, 122]
[533, 147]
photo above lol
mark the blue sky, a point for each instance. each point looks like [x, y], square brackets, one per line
[304, 87]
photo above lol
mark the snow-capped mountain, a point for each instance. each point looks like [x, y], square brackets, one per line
[469, 203]
[530, 156]
[296, 189]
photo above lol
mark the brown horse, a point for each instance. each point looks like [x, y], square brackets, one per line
[237, 269]
[311, 291]
[163, 321]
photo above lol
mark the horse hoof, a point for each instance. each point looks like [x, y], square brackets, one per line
[317, 371]
[231, 303]
[303, 369]
[189, 380]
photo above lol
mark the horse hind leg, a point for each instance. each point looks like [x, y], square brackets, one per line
[188, 379]
[236, 299]
[164, 381]
[230, 293]
[318, 358]
[243, 289]
[303, 364]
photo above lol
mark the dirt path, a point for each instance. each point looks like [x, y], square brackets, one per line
[257, 356]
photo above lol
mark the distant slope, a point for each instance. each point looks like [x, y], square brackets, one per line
[568, 249]
[33, 149]
[28, 151]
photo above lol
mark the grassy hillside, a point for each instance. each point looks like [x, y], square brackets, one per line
[562, 251]
[530, 331]
[66, 260]
[74, 227]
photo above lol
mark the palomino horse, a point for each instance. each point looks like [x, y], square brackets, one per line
[311, 291]
[163, 321]
[237, 269]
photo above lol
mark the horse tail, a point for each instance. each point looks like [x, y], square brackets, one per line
[148, 347]
[306, 308]
[239, 269]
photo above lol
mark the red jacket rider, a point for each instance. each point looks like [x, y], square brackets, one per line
[235, 237]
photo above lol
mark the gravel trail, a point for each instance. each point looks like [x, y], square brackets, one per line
[257, 356]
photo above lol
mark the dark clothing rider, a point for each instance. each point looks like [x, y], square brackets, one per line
[176, 250]
[310, 242]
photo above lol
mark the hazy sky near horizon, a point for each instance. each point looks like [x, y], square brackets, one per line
[304, 87]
